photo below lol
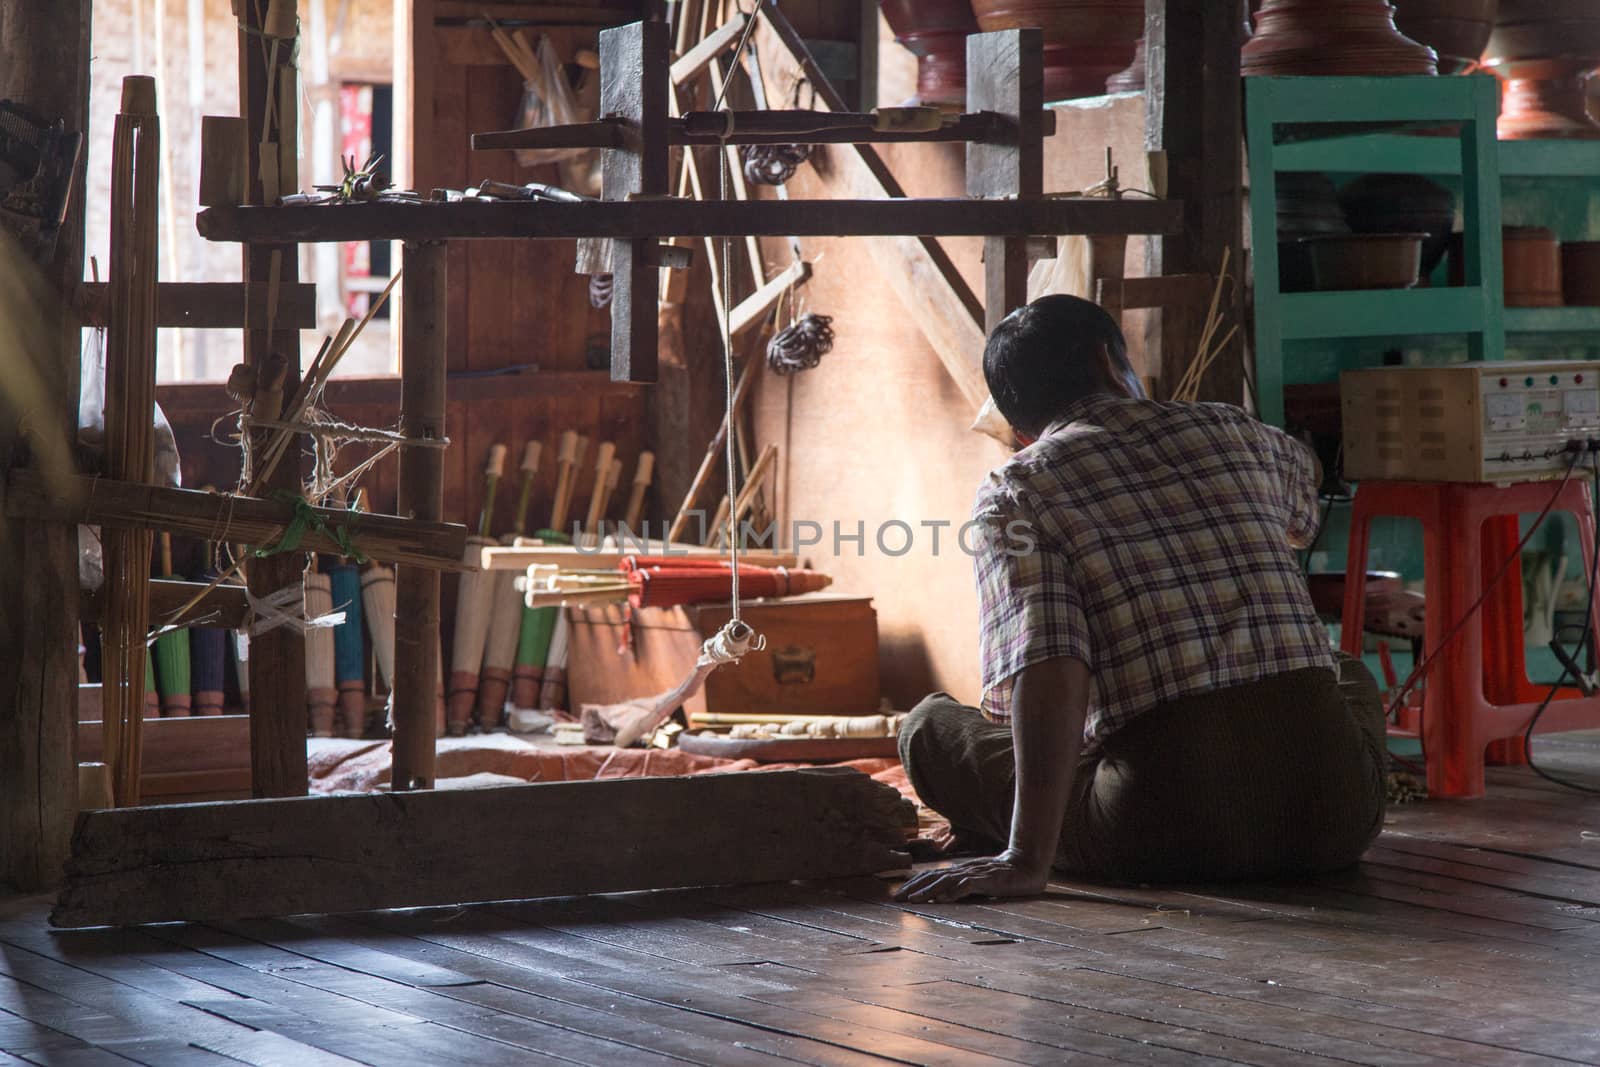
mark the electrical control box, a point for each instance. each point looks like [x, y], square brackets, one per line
[1494, 421]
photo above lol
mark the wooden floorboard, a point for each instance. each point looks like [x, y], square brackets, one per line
[1469, 935]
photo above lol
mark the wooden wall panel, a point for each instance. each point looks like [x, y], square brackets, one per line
[879, 433]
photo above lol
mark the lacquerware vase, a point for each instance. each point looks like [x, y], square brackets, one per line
[1332, 37]
[1458, 30]
[1130, 80]
[1545, 51]
[1085, 41]
[935, 31]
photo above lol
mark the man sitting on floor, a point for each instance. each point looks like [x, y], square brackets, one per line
[1162, 702]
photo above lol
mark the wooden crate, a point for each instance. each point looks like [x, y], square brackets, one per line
[821, 656]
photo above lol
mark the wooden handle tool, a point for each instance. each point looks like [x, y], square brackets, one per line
[641, 484]
[597, 497]
[566, 461]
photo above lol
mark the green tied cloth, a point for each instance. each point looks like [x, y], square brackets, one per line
[307, 518]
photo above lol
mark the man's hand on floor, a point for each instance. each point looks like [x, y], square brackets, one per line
[997, 876]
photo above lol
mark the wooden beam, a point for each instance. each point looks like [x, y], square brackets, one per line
[1005, 75]
[1194, 100]
[752, 308]
[278, 657]
[453, 11]
[695, 60]
[46, 69]
[209, 306]
[423, 359]
[867, 215]
[1167, 290]
[244, 520]
[634, 87]
[748, 128]
[210, 862]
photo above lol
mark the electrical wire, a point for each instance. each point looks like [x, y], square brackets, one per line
[1583, 639]
[1516, 553]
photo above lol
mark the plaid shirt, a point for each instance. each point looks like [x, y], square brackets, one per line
[1163, 556]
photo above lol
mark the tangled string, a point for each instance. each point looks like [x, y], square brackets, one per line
[600, 287]
[801, 345]
[772, 164]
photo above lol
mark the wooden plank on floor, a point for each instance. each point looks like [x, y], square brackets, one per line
[447, 1030]
[1516, 1024]
[475, 935]
[354, 853]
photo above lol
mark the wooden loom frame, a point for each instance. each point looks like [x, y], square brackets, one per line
[1006, 163]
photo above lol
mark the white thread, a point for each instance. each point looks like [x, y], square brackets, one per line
[286, 607]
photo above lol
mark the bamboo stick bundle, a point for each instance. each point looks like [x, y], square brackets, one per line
[474, 604]
[641, 484]
[349, 653]
[130, 415]
[322, 691]
[171, 655]
[505, 622]
[333, 349]
[753, 483]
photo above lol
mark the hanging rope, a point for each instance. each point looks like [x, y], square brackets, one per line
[736, 638]
[773, 164]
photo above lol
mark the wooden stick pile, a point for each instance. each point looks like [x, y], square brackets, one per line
[1188, 389]
[130, 416]
[322, 367]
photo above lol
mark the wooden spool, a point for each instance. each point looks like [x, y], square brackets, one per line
[322, 692]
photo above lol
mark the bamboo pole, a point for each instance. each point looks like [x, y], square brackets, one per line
[130, 414]
[422, 411]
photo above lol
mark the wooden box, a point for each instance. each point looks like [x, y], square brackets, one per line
[821, 656]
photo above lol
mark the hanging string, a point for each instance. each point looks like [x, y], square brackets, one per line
[736, 628]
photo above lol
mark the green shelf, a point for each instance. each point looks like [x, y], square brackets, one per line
[1397, 153]
[1553, 320]
[1353, 124]
[1380, 313]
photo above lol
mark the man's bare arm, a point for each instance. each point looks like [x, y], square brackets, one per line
[1049, 703]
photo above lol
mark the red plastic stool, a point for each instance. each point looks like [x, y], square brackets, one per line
[1476, 692]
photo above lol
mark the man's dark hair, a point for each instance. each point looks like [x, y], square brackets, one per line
[1045, 356]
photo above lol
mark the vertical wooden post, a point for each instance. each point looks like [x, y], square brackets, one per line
[46, 69]
[1005, 75]
[277, 658]
[634, 80]
[1193, 101]
[422, 405]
